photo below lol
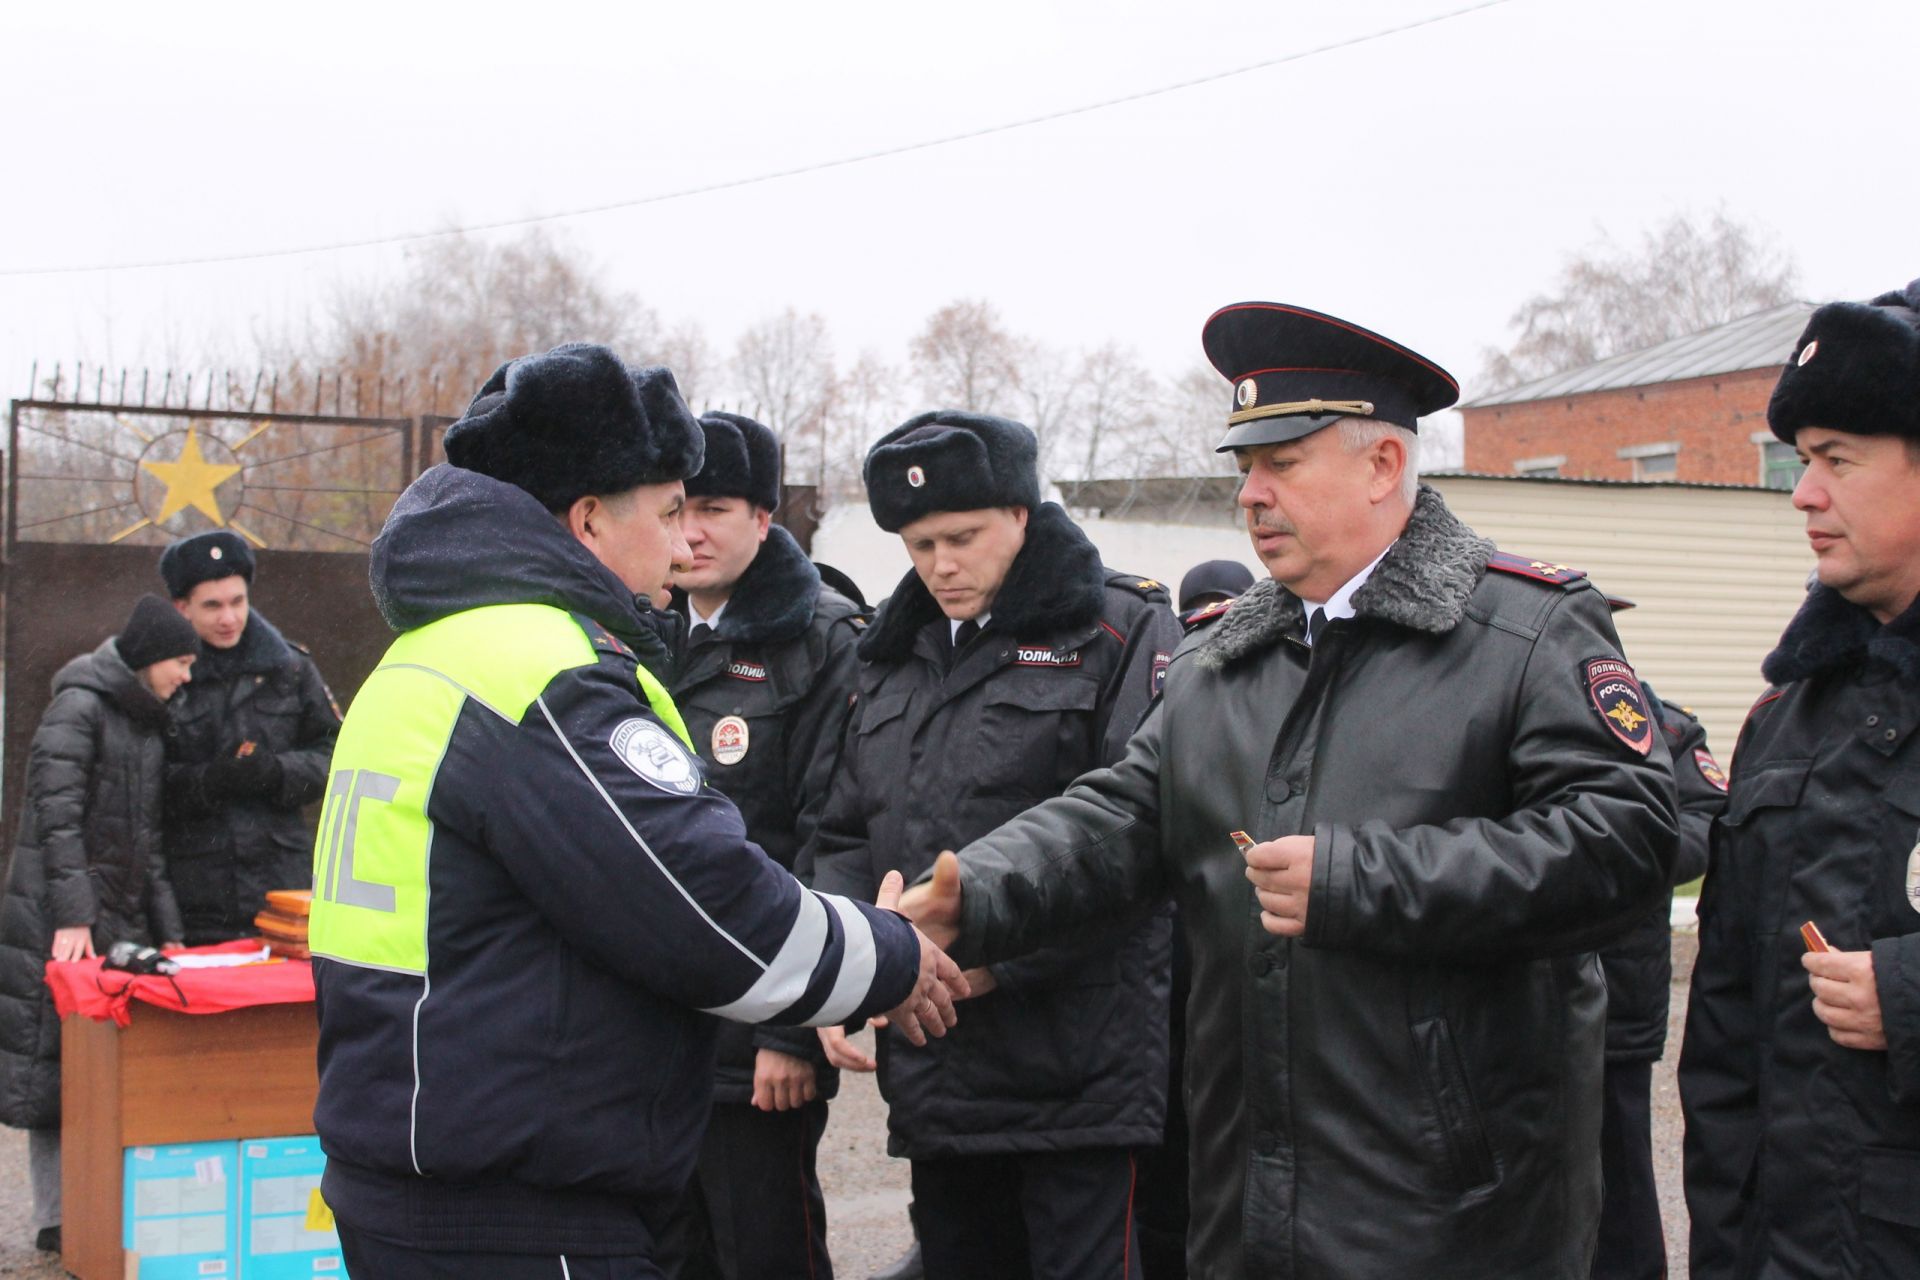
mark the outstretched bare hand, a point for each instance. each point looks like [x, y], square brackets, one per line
[928, 1008]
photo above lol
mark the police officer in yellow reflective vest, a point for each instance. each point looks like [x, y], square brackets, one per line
[527, 900]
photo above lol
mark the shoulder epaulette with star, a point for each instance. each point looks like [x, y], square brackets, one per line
[604, 641]
[1205, 614]
[296, 644]
[1559, 575]
[1146, 588]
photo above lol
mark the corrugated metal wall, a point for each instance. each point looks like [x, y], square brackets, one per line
[1716, 573]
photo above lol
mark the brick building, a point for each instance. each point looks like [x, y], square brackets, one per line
[1693, 409]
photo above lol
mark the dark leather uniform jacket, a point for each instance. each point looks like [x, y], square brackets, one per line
[1639, 966]
[1413, 1088]
[775, 678]
[1071, 1051]
[1803, 1158]
[225, 852]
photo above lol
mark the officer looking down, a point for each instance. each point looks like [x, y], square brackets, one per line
[1007, 662]
[528, 901]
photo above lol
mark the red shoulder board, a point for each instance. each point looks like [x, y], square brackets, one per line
[1207, 613]
[1538, 570]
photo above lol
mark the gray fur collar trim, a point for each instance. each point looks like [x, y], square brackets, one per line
[1422, 583]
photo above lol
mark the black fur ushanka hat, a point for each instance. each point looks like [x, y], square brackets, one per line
[743, 461]
[1856, 368]
[950, 460]
[205, 557]
[576, 421]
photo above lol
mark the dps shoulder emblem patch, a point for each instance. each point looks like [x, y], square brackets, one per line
[1615, 693]
[651, 750]
[1710, 768]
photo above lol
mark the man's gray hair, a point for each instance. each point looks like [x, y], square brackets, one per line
[1357, 433]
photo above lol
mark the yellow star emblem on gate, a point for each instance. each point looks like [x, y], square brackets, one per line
[191, 481]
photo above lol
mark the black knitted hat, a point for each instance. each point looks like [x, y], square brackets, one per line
[743, 461]
[950, 460]
[205, 557]
[156, 631]
[576, 421]
[1856, 368]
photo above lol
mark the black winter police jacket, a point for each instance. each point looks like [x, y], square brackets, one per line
[224, 852]
[766, 697]
[1803, 1158]
[531, 907]
[1070, 1051]
[1639, 966]
[1413, 1088]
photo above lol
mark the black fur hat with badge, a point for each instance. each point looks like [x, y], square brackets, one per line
[576, 421]
[205, 557]
[743, 461]
[1295, 371]
[1856, 368]
[951, 460]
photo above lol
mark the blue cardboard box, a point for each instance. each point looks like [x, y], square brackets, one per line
[179, 1209]
[286, 1230]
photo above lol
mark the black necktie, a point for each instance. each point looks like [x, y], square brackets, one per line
[700, 632]
[1315, 625]
[962, 635]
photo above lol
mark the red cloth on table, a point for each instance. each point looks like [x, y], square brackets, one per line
[82, 986]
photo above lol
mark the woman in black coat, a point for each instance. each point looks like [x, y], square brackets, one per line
[87, 869]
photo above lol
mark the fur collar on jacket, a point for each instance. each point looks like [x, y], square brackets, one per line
[1056, 583]
[774, 599]
[1422, 583]
[1829, 632]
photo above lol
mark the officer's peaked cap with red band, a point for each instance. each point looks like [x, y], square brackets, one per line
[1295, 371]
[950, 460]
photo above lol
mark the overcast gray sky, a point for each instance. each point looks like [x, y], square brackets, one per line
[1423, 183]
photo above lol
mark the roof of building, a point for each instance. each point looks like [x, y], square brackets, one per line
[1759, 341]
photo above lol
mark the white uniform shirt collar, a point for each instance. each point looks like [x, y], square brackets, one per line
[694, 619]
[1340, 603]
[953, 624]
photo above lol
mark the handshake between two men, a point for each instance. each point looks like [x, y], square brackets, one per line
[1281, 872]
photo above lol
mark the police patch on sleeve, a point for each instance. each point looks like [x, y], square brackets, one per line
[1710, 768]
[652, 751]
[1616, 695]
[1158, 674]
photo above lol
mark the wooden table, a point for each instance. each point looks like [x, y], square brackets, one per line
[170, 1078]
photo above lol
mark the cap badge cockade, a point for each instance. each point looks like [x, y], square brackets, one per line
[1806, 352]
[214, 552]
[1247, 394]
[916, 477]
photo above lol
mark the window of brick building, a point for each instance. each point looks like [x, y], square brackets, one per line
[1657, 462]
[1780, 466]
[1540, 468]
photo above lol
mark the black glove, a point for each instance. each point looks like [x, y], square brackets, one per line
[251, 777]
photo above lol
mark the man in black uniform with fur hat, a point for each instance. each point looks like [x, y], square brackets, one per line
[247, 746]
[1400, 791]
[1800, 1071]
[1007, 663]
[765, 684]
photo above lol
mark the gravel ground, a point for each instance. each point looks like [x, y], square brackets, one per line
[867, 1192]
